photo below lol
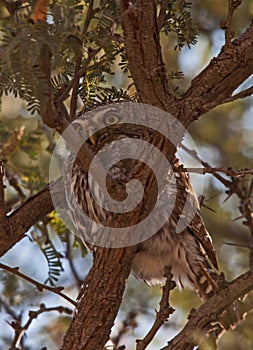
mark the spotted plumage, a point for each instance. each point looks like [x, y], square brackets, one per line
[189, 252]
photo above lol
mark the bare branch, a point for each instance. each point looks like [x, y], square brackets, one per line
[70, 260]
[3, 218]
[89, 16]
[162, 315]
[80, 72]
[200, 320]
[20, 330]
[141, 38]
[211, 170]
[8, 309]
[13, 181]
[217, 82]
[33, 210]
[241, 94]
[99, 299]
[162, 14]
[227, 25]
[74, 95]
[129, 323]
[39, 286]
[235, 186]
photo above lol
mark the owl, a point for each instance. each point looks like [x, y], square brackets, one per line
[189, 251]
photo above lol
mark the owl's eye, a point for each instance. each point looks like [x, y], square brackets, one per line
[111, 119]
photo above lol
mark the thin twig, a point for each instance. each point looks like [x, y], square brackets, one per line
[165, 310]
[4, 222]
[162, 14]
[211, 170]
[78, 75]
[89, 16]
[20, 330]
[194, 154]
[39, 286]
[74, 95]
[129, 323]
[70, 260]
[238, 187]
[241, 94]
[2, 187]
[227, 25]
[221, 100]
[8, 309]
[12, 179]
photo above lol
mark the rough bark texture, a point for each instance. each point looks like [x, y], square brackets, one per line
[21, 220]
[100, 299]
[142, 45]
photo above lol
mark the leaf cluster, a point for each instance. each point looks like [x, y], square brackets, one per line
[66, 36]
[52, 255]
[178, 20]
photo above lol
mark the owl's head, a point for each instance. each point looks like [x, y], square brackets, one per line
[106, 124]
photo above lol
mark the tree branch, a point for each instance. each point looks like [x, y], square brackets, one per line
[227, 26]
[242, 94]
[20, 330]
[235, 186]
[216, 83]
[3, 219]
[162, 14]
[162, 315]
[39, 286]
[142, 45]
[200, 320]
[32, 211]
[99, 299]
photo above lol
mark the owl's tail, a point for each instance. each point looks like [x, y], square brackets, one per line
[207, 283]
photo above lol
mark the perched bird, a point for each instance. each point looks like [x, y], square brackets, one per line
[189, 252]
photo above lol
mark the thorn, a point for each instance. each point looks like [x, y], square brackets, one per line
[238, 218]
[229, 195]
[209, 208]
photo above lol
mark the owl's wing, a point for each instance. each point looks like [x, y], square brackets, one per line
[191, 218]
[198, 229]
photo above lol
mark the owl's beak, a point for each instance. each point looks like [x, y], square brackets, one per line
[92, 136]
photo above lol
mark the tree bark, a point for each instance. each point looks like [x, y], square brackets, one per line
[100, 299]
